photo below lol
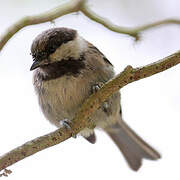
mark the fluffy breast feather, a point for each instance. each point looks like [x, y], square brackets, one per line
[60, 98]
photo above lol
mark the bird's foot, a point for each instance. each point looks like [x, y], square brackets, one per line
[96, 87]
[105, 106]
[67, 124]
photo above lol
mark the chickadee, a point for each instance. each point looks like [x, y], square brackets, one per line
[68, 70]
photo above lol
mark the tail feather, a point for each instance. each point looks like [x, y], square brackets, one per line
[91, 138]
[131, 145]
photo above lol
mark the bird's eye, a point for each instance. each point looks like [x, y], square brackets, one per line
[52, 49]
[43, 55]
[33, 56]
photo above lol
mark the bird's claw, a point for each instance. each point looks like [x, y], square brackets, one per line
[96, 87]
[66, 123]
[105, 106]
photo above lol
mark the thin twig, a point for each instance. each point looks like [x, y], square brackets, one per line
[134, 32]
[75, 6]
[82, 118]
[67, 8]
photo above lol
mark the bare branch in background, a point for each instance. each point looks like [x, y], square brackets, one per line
[134, 32]
[67, 8]
[82, 118]
[75, 6]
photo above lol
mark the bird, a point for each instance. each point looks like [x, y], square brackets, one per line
[67, 70]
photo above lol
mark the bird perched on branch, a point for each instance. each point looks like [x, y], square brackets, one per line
[68, 69]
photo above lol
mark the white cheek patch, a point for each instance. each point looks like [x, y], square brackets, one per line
[72, 49]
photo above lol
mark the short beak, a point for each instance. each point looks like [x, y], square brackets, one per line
[35, 65]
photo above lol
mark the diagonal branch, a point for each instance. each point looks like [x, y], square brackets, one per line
[67, 8]
[134, 32]
[75, 6]
[82, 118]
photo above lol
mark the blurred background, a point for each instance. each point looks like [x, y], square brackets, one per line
[150, 106]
